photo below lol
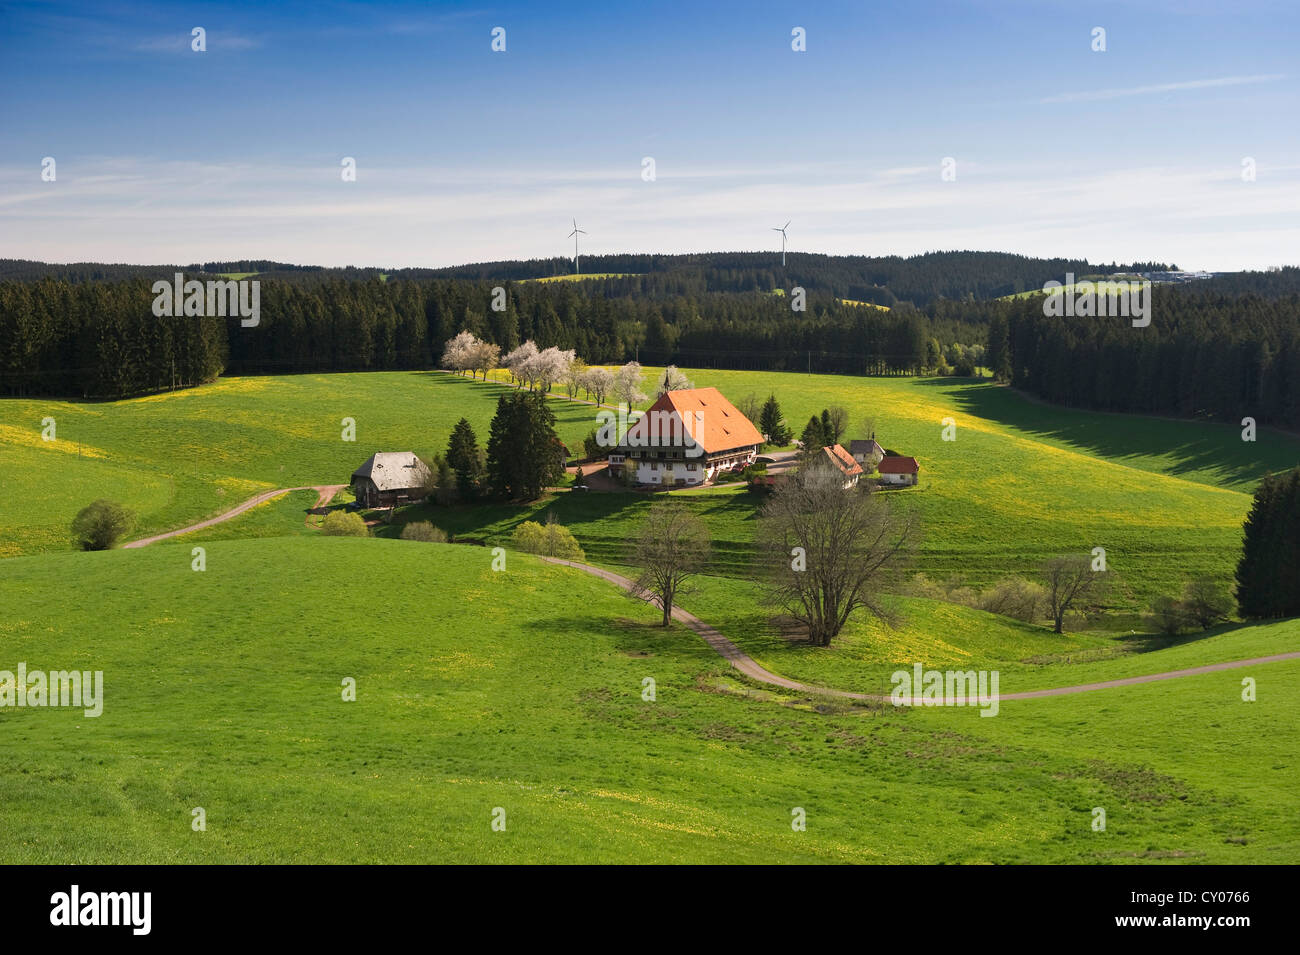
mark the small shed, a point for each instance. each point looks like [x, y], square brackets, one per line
[389, 478]
[899, 470]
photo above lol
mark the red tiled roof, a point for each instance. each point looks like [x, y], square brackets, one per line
[898, 465]
[843, 460]
[720, 426]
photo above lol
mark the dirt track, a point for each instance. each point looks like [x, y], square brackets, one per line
[326, 491]
[750, 667]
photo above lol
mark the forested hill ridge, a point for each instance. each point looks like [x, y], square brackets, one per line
[886, 280]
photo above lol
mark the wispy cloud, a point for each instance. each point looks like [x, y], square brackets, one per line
[121, 209]
[180, 43]
[1091, 95]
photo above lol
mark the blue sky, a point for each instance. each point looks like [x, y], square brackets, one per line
[164, 154]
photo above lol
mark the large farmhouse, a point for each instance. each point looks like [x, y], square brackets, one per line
[687, 437]
[389, 478]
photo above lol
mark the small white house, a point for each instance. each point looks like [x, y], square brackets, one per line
[898, 470]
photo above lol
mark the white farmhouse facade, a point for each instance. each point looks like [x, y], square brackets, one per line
[687, 437]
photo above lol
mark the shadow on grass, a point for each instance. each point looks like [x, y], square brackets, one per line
[1189, 446]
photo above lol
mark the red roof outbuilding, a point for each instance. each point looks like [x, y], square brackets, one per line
[898, 465]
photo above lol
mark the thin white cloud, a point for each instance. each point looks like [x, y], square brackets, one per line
[1092, 95]
[180, 43]
[116, 209]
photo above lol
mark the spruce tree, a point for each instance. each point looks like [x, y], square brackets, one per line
[523, 452]
[464, 457]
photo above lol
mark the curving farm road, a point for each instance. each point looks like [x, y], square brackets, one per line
[325, 492]
[750, 667]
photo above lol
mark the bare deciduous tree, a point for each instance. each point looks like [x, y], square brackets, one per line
[672, 546]
[1071, 583]
[831, 550]
[839, 419]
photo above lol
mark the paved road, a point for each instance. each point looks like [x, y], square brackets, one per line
[750, 667]
[326, 491]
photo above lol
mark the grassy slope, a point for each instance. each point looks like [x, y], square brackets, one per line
[177, 458]
[943, 635]
[522, 690]
[1021, 482]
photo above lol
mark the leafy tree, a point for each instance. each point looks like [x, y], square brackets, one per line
[423, 531]
[626, 387]
[344, 524]
[1207, 602]
[550, 540]
[101, 524]
[1169, 615]
[673, 380]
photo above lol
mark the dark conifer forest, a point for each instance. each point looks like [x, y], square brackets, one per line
[1223, 348]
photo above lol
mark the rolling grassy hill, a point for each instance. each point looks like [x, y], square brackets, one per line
[179, 457]
[1021, 482]
[523, 690]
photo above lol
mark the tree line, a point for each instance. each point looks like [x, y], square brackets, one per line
[1206, 356]
[102, 340]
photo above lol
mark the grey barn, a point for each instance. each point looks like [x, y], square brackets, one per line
[390, 477]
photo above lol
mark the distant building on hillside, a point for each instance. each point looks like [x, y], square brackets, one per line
[867, 453]
[836, 458]
[898, 470]
[687, 437]
[389, 478]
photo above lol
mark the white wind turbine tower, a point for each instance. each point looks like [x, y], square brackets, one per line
[574, 236]
[781, 230]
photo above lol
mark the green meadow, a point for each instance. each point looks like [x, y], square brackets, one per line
[580, 277]
[521, 691]
[179, 457]
[1019, 483]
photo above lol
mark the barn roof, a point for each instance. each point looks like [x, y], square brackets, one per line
[720, 427]
[394, 470]
[898, 465]
[842, 460]
[865, 446]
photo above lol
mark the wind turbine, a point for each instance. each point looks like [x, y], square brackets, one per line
[574, 236]
[781, 230]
